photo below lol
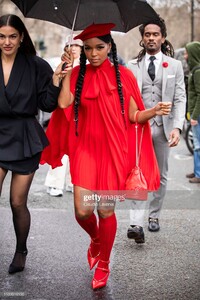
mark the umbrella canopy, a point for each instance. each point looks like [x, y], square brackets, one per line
[78, 14]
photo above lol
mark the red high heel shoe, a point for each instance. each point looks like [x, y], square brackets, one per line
[100, 276]
[93, 248]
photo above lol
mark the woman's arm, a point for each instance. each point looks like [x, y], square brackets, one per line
[65, 98]
[62, 78]
[161, 108]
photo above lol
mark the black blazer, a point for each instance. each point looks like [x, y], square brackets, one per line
[29, 88]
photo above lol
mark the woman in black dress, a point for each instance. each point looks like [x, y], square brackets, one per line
[27, 83]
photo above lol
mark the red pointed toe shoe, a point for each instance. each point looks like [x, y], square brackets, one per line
[100, 276]
[93, 253]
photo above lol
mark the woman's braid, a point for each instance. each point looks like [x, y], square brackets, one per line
[79, 85]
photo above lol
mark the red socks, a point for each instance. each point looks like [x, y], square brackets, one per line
[90, 226]
[107, 232]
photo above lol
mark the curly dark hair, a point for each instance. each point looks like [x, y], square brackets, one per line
[80, 80]
[166, 47]
[14, 21]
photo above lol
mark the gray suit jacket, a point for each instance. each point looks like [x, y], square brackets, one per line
[173, 90]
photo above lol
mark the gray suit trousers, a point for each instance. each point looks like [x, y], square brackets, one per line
[161, 149]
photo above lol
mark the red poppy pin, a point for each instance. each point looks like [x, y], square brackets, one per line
[165, 64]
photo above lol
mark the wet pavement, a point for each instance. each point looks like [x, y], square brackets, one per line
[166, 267]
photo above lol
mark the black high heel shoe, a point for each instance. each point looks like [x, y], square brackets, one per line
[13, 268]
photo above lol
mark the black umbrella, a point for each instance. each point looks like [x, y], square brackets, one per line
[78, 14]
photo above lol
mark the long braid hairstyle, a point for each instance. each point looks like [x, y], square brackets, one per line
[166, 47]
[80, 80]
[79, 85]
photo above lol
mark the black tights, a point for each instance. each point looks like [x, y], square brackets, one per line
[19, 189]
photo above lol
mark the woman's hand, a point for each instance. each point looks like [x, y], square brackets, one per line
[60, 72]
[163, 108]
[58, 75]
[67, 57]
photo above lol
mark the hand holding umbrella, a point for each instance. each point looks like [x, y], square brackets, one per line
[63, 69]
[68, 59]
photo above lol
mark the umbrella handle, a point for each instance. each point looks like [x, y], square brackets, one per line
[75, 16]
[74, 22]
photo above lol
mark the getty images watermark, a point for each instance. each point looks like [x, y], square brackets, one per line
[12, 294]
[105, 199]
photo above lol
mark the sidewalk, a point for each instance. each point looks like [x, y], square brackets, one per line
[166, 267]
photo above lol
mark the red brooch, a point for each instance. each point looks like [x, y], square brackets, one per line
[165, 64]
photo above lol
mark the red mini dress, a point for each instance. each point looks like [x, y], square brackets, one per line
[103, 153]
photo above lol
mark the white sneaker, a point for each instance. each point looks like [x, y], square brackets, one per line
[54, 192]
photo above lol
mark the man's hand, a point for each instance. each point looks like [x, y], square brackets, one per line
[174, 137]
[193, 122]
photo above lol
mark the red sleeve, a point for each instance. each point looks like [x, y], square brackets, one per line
[58, 130]
[57, 134]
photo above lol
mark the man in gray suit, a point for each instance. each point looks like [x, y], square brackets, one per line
[160, 78]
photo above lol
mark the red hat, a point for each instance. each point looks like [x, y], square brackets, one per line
[95, 30]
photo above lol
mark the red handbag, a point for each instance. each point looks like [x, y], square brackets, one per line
[136, 185]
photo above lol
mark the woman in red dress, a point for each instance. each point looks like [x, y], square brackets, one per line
[98, 102]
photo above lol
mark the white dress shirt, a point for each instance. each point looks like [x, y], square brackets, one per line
[157, 61]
